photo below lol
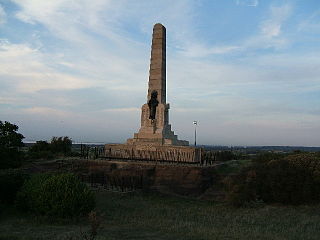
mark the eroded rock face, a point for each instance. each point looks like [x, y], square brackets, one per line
[181, 180]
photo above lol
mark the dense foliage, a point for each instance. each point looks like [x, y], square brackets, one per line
[211, 156]
[294, 179]
[41, 149]
[58, 146]
[11, 180]
[10, 142]
[60, 195]
[61, 145]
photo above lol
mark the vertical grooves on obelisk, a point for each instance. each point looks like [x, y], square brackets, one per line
[157, 73]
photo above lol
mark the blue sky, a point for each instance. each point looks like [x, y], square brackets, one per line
[247, 70]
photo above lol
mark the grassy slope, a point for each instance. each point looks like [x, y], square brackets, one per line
[153, 216]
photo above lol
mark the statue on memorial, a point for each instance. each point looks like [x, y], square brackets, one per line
[153, 103]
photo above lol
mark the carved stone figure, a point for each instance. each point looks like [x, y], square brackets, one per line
[153, 103]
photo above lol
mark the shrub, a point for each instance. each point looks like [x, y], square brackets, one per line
[279, 181]
[61, 195]
[11, 180]
[28, 198]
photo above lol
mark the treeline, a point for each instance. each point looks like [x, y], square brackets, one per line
[57, 147]
[12, 156]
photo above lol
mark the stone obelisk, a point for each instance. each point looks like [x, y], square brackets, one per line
[157, 72]
[155, 128]
[155, 140]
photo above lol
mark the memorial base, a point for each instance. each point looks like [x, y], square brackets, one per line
[182, 154]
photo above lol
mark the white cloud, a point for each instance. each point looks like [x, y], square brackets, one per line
[3, 15]
[249, 3]
[197, 50]
[271, 30]
[27, 70]
[279, 14]
[269, 35]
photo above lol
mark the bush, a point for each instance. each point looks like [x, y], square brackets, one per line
[61, 195]
[291, 180]
[11, 180]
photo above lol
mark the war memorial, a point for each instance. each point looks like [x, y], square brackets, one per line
[155, 140]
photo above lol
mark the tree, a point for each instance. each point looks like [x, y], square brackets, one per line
[10, 141]
[61, 145]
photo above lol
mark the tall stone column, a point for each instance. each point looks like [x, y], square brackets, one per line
[155, 128]
[157, 72]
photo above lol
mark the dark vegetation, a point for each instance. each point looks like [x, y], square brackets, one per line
[11, 181]
[59, 146]
[285, 179]
[161, 217]
[59, 195]
[252, 183]
[10, 142]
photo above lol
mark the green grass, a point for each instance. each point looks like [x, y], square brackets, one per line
[153, 216]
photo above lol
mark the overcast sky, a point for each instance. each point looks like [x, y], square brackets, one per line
[247, 70]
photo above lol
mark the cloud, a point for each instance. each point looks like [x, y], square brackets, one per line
[279, 14]
[270, 33]
[27, 70]
[88, 75]
[197, 50]
[249, 3]
[3, 15]
[311, 23]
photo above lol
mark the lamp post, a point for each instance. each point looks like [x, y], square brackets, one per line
[195, 123]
